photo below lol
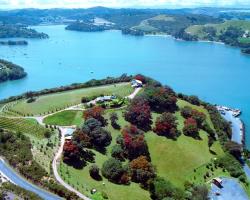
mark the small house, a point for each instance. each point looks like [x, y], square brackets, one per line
[136, 83]
[105, 98]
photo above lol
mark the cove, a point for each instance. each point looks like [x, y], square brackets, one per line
[214, 72]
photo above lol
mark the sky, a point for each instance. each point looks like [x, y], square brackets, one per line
[13, 4]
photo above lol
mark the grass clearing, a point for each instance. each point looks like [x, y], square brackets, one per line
[65, 118]
[58, 101]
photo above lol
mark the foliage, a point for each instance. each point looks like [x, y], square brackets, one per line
[94, 172]
[166, 125]
[117, 152]
[191, 128]
[138, 113]
[95, 112]
[10, 71]
[160, 99]
[142, 171]
[14, 31]
[113, 170]
[134, 142]
[161, 189]
[232, 165]
[234, 148]
[114, 119]
[20, 192]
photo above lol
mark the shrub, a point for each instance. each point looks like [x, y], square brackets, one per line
[94, 172]
[117, 152]
[190, 128]
[142, 170]
[112, 170]
[166, 125]
[138, 113]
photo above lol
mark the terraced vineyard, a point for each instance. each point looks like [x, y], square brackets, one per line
[27, 126]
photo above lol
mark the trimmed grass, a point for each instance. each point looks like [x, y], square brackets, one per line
[174, 160]
[58, 101]
[244, 40]
[65, 118]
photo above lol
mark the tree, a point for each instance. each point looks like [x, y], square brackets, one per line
[160, 99]
[117, 152]
[194, 100]
[112, 170]
[95, 112]
[190, 128]
[234, 148]
[94, 172]
[161, 189]
[134, 143]
[199, 117]
[92, 135]
[141, 170]
[199, 192]
[166, 125]
[140, 78]
[138, 113]
[71, 153]
[113, 119]
[186, 112]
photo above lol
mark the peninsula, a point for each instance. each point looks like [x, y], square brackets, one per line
[114, 139]
[10, 71]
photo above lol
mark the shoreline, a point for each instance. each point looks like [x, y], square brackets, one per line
[237, 124]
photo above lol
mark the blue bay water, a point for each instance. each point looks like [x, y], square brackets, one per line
[215, 72]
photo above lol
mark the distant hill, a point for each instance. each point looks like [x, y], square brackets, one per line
[14, 31]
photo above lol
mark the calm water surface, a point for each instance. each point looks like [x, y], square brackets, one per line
[215, 72]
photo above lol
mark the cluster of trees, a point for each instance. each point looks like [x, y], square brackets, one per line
[91, 83]
[195, 120]
[232, 165]
[231, 36]
[91, 134]
[87, 27]
[10, 71]
[132, 146]
[15, 31]
[139, 113]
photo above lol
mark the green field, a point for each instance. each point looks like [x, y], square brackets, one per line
[174, 160]
[52, 102]
[65, 118]
[197, 29]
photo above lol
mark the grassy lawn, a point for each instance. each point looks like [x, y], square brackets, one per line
[174, 160]
[244, 40]
[57, 101]
[65, 118]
